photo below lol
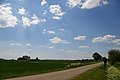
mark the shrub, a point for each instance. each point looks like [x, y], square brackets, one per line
[113, 73]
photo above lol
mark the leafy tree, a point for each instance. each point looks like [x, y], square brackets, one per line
[36, 59]
[24, 58]
[97, 56]
[114, 56]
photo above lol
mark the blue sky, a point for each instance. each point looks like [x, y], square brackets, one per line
[58, 29]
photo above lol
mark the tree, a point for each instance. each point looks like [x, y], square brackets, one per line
[36, 59]
[113, 56]
[97, 56]
[24, 58]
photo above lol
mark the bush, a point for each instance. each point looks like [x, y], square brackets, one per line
[113, 73]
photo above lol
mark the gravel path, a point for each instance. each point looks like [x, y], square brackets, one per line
[59, 75]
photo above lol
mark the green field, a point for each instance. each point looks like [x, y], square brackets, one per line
[15, 68]
[98, 73]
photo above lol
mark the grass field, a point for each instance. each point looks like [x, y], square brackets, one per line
[14, 68]
[98, 73]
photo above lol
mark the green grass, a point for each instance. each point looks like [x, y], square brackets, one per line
[10, 69]
[98, 73]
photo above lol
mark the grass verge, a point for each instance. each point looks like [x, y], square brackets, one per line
[98, 73]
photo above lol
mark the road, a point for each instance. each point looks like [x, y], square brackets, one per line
[59, 75]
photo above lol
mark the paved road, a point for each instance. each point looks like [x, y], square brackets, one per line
[59, 75]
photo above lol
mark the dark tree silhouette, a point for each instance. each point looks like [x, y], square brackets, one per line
[113, 56]
[24, 58]
[36, 59]
[97, 56]
[105, 61]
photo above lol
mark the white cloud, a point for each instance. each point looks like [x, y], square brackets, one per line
[106, 38]
[73, 3]
[57, 40]
[43, 20]
[105, 2]
[116, 41]
[56, 17]
[22, 11]
[86, 4]
[51, 32]
[61, 29]
[34, 20]
[56, 11]
[28, 44]
[7, 19]
[45, 12]
[84, 47]
[44, 31]
[43, 2]
[80, 38]
[15, 44]
[27, 22]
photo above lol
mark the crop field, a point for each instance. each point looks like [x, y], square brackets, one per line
[13, 68]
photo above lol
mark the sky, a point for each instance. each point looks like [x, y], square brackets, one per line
[58, 29]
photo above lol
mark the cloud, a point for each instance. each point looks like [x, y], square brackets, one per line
[84, 47]
[106, 38]
[45, 12]
[28, 44]
[43, 2]
[86, 4]
[80, 38]
[7, 19]
[61, 29]
[51, 32]
[15, 44]
[27, 22]
[22, 11]
[73, 3]
[43, 20]
[34, 20]
[89, 4]
[56, 11]
[116, 41]
[57, 40]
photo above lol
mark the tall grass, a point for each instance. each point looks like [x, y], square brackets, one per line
[113, 73]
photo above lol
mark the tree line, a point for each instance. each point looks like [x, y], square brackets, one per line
[113, 56]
